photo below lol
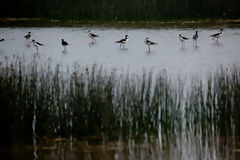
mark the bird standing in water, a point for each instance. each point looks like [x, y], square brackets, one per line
[64, 43]
[195, 38]
[149, 43]
[217, 35]
[28, 36]
[92, 36]
[182, 39]
[123, 41]
[36, 44]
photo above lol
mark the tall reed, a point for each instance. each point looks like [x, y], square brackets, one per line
[84, 103]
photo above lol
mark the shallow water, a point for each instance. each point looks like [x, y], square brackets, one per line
[167, 55]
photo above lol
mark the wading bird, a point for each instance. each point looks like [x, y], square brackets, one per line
[28, 36]
[182, 39]
[123, 41]
[149, 43]
[36, 44]
[64, 43]
[195, 38]
[217, 35]
[92, 36]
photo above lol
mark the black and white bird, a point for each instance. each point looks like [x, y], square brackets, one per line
[36, 44]
[195, 38]
[92, 36]
[217, 35]
[28, 36]
[182, 39]
[64, 43]
[123, 41]
[149, 43]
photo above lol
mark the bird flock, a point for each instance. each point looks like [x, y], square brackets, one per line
[123, 41]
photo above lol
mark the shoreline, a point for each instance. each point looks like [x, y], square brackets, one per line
[40, 22]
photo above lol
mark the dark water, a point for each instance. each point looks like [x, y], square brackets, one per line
[187, 147]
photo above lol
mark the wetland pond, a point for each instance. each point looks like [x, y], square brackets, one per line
[97, 101]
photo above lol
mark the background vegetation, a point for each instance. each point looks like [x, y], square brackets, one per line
[121, 9]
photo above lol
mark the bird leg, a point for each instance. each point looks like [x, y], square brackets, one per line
[195, 43]
[28, 45]
[37, 49]
[149, 49]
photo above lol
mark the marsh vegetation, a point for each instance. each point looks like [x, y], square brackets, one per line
[121, 116]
